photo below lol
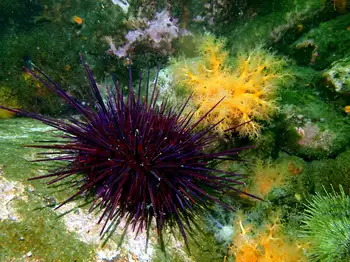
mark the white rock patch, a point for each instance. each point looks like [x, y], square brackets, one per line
[85, 226]
[124, 4]
[9, 191]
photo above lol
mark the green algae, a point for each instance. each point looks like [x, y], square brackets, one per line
[53, 41]
[41, 234]
[326, 226]
[275, 27]
[308, 108]
[323, 45]
[330, 172]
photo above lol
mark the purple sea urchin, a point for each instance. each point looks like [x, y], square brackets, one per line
[142, 161]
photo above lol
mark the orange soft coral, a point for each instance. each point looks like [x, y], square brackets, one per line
[267, 177]
[248, 88]
[269, 244]
[340, 5]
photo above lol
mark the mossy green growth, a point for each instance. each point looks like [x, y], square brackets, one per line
[274, 23]
[14, 10]
[324, 44]
[40, 235]
[327, 172]
[52, 41]
[320, 121]
[327, 226]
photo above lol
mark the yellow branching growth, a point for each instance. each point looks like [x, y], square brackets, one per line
[248, 88]
[269, 244]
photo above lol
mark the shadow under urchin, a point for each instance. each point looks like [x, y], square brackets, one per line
[141, 160]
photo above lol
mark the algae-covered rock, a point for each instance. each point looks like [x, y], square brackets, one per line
[322, 131]
[30, 228]
[15, 10]
[313, 137]
[321, 126]
[275, 23]
[329, 172]
[324, 44]
[52, 40]
[338, 76]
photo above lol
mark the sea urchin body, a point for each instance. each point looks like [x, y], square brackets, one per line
[142, 161]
